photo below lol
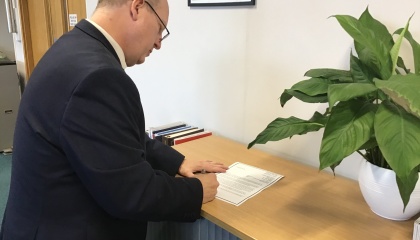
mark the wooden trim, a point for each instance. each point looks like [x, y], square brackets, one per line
[41, 40]
[49, 22]
[46, 21]
[76, 7]
[66, 15]
[26, 38]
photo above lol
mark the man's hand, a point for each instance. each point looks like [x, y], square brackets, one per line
[210, 184]
[205, 170]
[189, 167]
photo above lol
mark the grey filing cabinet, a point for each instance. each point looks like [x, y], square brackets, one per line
[9, 102]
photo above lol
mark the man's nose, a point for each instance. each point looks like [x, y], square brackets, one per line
[158, 44]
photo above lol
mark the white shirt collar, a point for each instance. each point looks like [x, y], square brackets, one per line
[114, 44]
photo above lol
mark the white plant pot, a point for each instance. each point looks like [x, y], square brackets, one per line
[380, 190]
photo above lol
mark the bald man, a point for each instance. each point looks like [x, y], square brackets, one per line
[83, 167]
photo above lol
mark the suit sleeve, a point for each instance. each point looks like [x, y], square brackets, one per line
[163, 157]
[102, 133]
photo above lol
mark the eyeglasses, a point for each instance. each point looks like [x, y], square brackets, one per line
[160, 19]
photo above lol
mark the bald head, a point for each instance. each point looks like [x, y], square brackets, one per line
[103, 3]
[134, 25]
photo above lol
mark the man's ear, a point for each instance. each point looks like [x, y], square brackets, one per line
[135, 8]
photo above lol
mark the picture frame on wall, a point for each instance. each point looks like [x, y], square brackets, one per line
[209, 3]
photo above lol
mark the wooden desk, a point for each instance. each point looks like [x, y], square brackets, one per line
[305, 204]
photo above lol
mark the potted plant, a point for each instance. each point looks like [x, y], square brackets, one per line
[373, 108]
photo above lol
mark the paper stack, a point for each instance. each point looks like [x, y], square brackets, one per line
[416, 233]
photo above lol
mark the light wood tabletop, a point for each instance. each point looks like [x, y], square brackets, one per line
[305, 204]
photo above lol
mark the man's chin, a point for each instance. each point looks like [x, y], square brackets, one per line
[140, 61]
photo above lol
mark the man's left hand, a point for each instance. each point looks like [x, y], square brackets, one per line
[189, 167]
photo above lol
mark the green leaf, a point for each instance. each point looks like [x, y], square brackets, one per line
[401, 64]
[367, 57]
[359, 71]
[308, 99]
[371, 143]
[382, 34]
[403, 90]
[312, 87]
[397, 133]
[373, 47]
[313, 90]
[396, 48]
[406, 185]
[330, 74]
[348, 128]
[285, 97]
[282, 128]
[319, 118]
[347, 91]
[416, 49]
[380, 30]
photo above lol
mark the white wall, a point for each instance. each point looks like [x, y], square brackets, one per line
[224, 68]
[18, 43]
[6, 38]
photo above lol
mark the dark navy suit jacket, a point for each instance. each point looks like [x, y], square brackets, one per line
[83, 167]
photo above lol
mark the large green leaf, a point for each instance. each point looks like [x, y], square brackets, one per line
[330, 74]
[396, 48]
[381, 32]
[382, 35]
[322, 98]
[313, 90]
[406, 185]
[348, 128]
[347, 91]
[363, 74]
[404, 90]
[282, 128]
[373, 47]
[397, 133]
[416, 49]
[312, 87]
[368, 58]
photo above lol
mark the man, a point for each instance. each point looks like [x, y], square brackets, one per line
[83, 167]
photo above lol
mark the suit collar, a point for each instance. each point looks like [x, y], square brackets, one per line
[111, 40]
[92, 31]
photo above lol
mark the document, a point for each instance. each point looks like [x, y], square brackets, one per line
[416, 232]
[241, 182]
